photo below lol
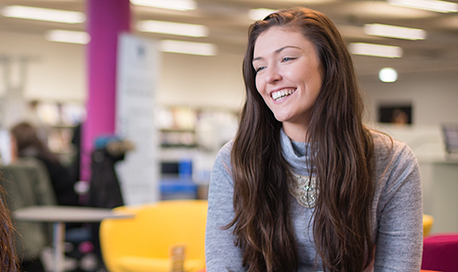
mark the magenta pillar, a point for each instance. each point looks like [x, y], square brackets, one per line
[105, 20]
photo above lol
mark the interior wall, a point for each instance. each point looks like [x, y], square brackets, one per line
[54, 71]
[433, 95]
[214, 82]
[57, 72]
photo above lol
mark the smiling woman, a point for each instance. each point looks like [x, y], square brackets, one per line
[288, 77]
[305, 186]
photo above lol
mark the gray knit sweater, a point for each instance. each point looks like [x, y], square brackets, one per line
[396, 210]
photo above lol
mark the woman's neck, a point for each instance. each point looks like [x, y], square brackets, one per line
[296, 132]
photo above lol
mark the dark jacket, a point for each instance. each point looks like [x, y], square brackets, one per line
[27, 184]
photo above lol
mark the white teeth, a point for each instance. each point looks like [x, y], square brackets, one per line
[281, 94]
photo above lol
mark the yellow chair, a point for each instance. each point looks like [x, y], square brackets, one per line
[142, 243]
[428, 221]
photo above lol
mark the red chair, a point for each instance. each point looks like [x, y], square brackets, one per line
[440, 252]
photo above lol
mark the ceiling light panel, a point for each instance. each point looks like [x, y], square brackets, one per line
[173, 28]
[380, 10]
[376, 50]
[398, 32]
[388, 74]
[432, 5]
[68, 36]
[42, 14]
[167, 4]
[193, 48]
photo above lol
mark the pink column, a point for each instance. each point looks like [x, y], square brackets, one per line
[105, 20]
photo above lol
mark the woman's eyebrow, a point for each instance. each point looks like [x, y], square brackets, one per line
[278, 51]
[284, 47]
[255, 59]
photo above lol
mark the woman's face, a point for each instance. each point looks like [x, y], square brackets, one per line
[289, 76]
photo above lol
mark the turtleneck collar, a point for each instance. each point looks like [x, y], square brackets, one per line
[295, 153]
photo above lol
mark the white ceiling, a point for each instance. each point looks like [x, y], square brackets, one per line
[228, 22]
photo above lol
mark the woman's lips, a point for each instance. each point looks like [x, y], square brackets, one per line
[277, 95]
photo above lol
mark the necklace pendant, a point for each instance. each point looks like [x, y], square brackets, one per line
[304, 189]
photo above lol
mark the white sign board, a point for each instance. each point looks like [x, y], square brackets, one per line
[137, 70]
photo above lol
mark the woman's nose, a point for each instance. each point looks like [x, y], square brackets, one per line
[272, 76]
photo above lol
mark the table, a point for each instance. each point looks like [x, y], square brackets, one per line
[59, 215]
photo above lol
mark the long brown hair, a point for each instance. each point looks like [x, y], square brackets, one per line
[341, 151]
[8, 258]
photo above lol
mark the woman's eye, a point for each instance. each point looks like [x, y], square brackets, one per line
[287, 59]
[260, 68]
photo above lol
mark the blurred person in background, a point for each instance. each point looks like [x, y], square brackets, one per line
[29, 144]
[27, 183]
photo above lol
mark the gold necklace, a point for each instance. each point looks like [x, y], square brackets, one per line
[304, 189]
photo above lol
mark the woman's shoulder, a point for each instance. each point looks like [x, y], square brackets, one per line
[387, 148]
[224, 153]
[222, 161]
[385, 141]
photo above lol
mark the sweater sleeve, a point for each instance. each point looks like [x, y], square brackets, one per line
[399, 214]
[220, 251]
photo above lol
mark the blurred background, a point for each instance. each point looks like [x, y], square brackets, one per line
[405, 54]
